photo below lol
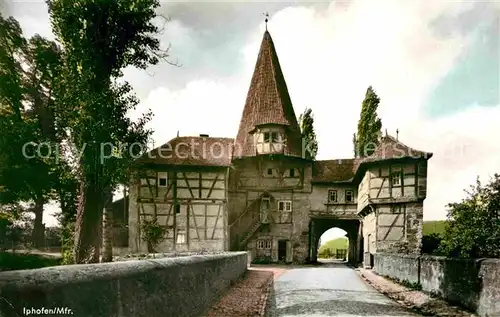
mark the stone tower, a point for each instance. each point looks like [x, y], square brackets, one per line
[270, 176]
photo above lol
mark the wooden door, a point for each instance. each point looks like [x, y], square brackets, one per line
[289, 254]
[264, 210]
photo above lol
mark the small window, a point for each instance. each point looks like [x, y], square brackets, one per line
[162, 179]
[285, 206]
[292, 172]
[396, 179]
[264, 244]
[265, 204]
[269, 171]
[181, 236]
[274, 137]
[332, 196]
[349, 197]
[397, 209]
[266, 137]
[177, 209]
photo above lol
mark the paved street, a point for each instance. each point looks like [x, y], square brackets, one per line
[331, 289]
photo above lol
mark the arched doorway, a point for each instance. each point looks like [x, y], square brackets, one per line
[333, 244]
[352, 227]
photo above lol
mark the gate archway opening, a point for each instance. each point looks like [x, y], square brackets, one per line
[318, 226]
[333, 244]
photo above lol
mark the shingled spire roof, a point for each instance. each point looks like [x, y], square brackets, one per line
[268, 102]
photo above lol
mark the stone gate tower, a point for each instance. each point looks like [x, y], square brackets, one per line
[270, 179]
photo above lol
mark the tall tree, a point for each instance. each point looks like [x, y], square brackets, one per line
[100, 38]
[369, 125]
[25, 94]
[310, 144]
[355, 145]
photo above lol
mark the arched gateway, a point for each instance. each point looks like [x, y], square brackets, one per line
[259, 192]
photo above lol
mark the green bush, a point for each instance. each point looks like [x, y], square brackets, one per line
[262, 260]
[431, 243]
[15, 227]
[153, 233]
[473, 226]
[67, 241]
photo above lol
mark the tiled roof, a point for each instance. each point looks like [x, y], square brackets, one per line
[268, 102]
[390, 148]
[343, 170]
[191, 151]
[340, 170]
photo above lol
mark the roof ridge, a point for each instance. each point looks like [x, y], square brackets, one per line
[337, 159]
[202, 137]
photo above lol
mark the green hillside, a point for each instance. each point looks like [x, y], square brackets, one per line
[335, 244]
[436, 226]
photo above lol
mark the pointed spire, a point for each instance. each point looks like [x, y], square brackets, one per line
[397, 134]
[268, 102]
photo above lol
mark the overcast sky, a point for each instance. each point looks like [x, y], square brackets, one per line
[434, 64]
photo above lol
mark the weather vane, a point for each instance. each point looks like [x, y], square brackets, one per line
[266, 14]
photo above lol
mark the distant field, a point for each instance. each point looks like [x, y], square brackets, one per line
[335, 244]
[436, 226]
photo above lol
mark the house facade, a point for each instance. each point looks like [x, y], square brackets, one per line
[259, 191]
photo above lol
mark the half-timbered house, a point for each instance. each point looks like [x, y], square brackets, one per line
[184, 184]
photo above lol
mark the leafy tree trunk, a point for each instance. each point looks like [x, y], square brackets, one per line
[38, 228]
[107, 224]
[87, 226]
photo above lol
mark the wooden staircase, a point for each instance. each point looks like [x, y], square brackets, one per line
[253, 218]
[253, 228]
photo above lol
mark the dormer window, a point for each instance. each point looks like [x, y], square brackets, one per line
[269, 140]
[271, 137]
[274, 137]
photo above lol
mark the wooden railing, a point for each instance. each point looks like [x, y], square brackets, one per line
[249, 232]
[245, 213]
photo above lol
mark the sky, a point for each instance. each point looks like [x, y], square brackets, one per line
[434, 64]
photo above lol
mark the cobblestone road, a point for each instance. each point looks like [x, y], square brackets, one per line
[329, 290]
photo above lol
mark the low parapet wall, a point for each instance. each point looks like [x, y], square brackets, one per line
[184, 286]
[401, 267]
[472, 283]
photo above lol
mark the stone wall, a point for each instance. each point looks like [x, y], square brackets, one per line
[183, 286]
[471, 283]
[401, 267]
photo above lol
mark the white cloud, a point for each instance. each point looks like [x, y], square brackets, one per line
[329, 58]
[203, 106]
